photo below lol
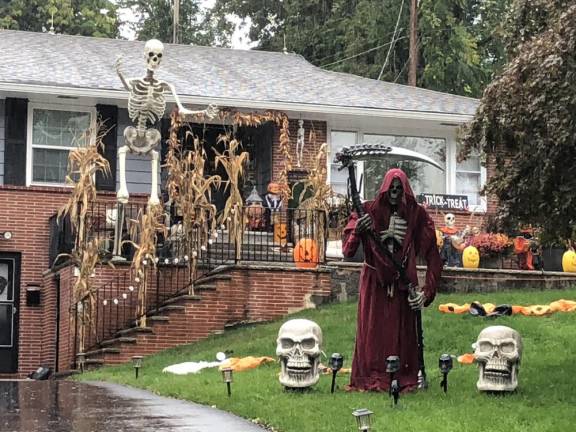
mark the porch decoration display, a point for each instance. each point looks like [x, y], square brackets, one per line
[452, 245]
[470, 258]
[569, 261]
[306, 253]
[233, 163]
[146, 105]
[254, 211]
[498, 353]
[191, 191]
[84, 162]
[298, 346]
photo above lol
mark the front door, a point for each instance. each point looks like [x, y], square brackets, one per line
[9, 304]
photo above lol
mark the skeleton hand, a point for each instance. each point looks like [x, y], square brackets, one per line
[363, 224]
[416, 300]
[118, 65]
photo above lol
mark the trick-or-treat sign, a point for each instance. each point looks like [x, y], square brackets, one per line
[443, 201]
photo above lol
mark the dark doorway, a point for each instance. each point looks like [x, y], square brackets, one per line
[9, 304]
[257, 141]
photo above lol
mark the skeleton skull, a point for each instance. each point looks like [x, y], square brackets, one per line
[153, 51]
[450, 220]
[498, 353]
[299, 345]
[395, 191]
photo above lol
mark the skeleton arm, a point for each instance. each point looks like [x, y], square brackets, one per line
[209, 112]
[118, 67]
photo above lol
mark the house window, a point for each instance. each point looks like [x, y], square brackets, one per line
[339, 179]
[423, 177]
[52, 133]
[470, 179]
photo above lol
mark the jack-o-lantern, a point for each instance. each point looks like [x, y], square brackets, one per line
[280, 234]
[306, 253]
[470, 257]
[569, 261]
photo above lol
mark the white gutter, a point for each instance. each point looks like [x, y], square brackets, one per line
[231, 102]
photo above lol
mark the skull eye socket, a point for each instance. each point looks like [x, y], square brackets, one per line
[485, 346]
[150, 54]
[507, 348]
[286, 343]
[308, 343]
[159, 55]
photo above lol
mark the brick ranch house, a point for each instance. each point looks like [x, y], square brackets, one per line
[53, 83]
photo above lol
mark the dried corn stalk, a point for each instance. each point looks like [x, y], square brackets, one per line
[318, 203]
[83, 164]
[144, 232]
[191, 192]
[233, 213]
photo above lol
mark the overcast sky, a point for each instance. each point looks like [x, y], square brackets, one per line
[239, 38]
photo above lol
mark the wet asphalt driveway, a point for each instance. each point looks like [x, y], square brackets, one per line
[66, 406]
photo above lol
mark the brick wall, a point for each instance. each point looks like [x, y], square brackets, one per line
[310, 148]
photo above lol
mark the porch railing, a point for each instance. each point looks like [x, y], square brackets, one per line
[267, 237]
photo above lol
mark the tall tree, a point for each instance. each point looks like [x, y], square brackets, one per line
[527, 121]
[78, 17]
[459, 45]
[195, 25]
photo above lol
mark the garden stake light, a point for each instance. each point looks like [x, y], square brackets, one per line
[393, 366]
[445, 364]
[137, 363]
[363, 419]
[336, 362]
[227, 377]
[81, 360]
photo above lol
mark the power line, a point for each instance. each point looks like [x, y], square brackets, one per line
[362, 53]
[392, 41]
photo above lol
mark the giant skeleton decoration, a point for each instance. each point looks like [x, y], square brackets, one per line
[146, 105]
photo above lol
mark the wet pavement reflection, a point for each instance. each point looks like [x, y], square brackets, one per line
[67, 406]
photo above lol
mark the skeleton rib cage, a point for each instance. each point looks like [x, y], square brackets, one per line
[146, 102]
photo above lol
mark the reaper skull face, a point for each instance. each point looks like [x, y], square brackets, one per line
[299, 345]
[395, 192]
[153, 51]
[498, 353]
[450, 220]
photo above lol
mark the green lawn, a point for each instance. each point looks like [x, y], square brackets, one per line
[545, 401]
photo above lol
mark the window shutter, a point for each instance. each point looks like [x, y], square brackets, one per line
[16, 125]
[108, 116]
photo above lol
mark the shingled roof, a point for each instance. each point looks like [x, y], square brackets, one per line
[77, 62]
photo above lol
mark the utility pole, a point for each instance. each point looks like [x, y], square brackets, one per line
[175, 20]
[413, 66]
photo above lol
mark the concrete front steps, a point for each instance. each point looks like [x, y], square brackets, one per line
[182, 319]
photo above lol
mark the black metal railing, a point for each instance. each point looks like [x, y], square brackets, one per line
[115, 305]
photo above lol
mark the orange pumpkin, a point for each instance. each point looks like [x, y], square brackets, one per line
[306, 253]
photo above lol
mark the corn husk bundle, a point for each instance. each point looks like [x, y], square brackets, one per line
[191, 191]
[318, 203]
[233, 213]
[83, 163]
[144, 233]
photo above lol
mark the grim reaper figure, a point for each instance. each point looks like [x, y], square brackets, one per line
[386, 324]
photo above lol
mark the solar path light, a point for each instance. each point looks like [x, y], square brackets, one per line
[137, 364]
[336, 363]
[363, 419]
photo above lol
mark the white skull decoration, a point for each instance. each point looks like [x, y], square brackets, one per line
[498, 353]
[153, 51]
[450, 220]
[299, 345]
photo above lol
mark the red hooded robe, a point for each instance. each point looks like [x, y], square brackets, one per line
[386, 324]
